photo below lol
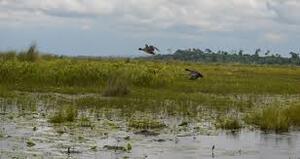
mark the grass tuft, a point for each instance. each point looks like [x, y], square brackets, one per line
[145, 124]
[116, 86]
[65, 114]
[228, 123]
[275, 118]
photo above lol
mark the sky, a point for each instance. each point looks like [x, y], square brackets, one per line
[119, 27]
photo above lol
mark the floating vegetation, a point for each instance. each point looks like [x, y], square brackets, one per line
[30, 143]
[94, 148]
[110, 124]
[115, 148]
[145, 124]
[146, 133]
[184, 123]
[85, 122]
[127, 138]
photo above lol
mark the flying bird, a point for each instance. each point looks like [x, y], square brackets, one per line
[194, 74]
[150, 49]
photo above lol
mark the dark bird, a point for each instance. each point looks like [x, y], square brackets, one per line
[150, 49]
[194, 74]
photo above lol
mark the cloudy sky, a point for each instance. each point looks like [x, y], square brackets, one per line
[119, 27]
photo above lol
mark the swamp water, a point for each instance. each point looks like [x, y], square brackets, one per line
[28, 134]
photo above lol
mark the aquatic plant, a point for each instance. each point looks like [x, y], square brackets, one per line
[85, 122]
[228, 122]
[30, 143]
[70, 113]
[184, 123]
[57, 117]
[145, 124]
[146, 132]
[149, 86]
[115, 148]
[94, 148]
[129, 147]
[275, 118]
[66, 113]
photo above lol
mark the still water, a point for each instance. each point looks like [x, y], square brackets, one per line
[89, 143]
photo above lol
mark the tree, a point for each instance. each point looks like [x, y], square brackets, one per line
[208, 51]
[267, 53]
[294, 55]
[257, 52]
[295, 59]
[241, 52]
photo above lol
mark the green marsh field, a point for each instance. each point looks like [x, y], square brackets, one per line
[114, 107]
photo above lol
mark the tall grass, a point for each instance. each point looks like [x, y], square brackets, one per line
[30, 55]
[116, 86]
[8, 56]
[94, 76]
[276, 118]
[73, 73]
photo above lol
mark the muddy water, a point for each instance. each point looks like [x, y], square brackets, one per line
[18, 132]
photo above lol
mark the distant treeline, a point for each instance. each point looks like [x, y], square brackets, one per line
[210, 56]
[194, 55]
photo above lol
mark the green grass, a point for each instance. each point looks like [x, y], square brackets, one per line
[116, 86]
[228, 122]
[65, 114]
[158, 87]
[276, 118]
[145, 124]
[93, 76]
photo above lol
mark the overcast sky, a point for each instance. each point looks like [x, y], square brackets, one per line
[119, 27]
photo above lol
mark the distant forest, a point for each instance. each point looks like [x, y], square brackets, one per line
[207, 55]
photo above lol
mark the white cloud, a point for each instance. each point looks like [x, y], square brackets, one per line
[205, 15]
[287, 11]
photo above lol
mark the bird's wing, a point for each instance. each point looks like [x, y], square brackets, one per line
[188, 70]
[200, 74]
[156, 48]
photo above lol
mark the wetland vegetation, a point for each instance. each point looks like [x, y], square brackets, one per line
[73, 95]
